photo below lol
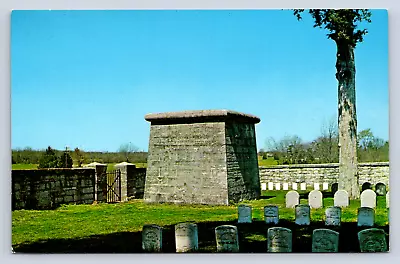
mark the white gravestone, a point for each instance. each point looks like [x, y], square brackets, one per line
[315, 199]
[263, 186]
[285, 186]
[270, 186]
[244, 214]
[292, 199]
[341, 198]
[368, 198]
[325, 240]
[152, 238]
[316, 186]
[294, 186]
[387, 200]
[372, 240]
[227, 238]
[186, 237]
[365, 216]
[303, 186]
[279, 240]
[333, 216]
[302, 212]
[325, 186]
[277, 186]
[271, 214]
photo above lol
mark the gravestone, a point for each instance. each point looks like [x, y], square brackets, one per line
[285, 186]
[292, 199]
[279, 240]
[333, 216]
[270, 186]
[341, 198]
[244, 214]
[302, 212]
[294, 186]
[186, 237]
[227, 238]
[334, 187]
[277, 186]
[365, 216]
[372, 240]
[325, 240]
[387, 199]
[194, 157]
[315, 199]
[316, 186]
[263, 186]
[380, 189]
[368, 199]
[325, 186]
[152, 238]
[271, 214]
[366, 186]
[303, 186]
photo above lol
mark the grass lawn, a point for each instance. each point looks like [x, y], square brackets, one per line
[116, 227]
[24, 166]
[266, 162]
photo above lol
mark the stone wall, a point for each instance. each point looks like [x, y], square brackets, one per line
[323, 173]
[48, 188]
[242, 162]
[135, 182]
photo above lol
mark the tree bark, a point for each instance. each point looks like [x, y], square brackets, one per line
[347, 120]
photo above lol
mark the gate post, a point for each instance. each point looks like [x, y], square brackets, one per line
[125, 168]
[100, 180]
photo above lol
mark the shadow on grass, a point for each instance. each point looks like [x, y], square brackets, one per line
[252, 239]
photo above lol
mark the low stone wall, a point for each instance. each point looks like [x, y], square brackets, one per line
[48, 188]
[377, 172]
[136, 180]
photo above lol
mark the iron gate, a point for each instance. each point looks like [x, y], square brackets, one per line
[113, 186]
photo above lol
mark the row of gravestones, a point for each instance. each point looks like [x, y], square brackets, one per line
[279, 239]
[341, 199]
[380, 188]
[333, 215]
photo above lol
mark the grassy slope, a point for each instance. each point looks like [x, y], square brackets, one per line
[73, 223]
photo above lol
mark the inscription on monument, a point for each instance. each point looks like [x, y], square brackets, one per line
[372, 240]
[271, 214]
[279, 240]
[244, 214]
[302, 214]
[325, 240]
[186, 237]
[227, 238]
[333, 216]
[152, 238]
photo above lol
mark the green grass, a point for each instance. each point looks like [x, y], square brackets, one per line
[24, 166]
[266, 162]
[70, 225]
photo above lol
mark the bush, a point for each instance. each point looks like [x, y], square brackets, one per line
[49, 159]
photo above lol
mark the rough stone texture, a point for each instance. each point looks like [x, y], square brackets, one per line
[48, 188]
[186, 237]
[333, 216]
[279, 240]
[244, 214]
[136, 180]
[325, 240]
[372, 240]
[292, 199]
[302, 214]
[227, 238]
[271, 214]
[368, 199]
[377, 172]
[341, 198]
[152, 238]
[315, 199]
[365, 216]
[202, 157]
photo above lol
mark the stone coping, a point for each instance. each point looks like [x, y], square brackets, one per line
[325, 165]
[200, 116]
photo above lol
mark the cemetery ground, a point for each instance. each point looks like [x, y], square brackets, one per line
[116, 228]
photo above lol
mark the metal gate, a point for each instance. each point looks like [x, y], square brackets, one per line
[114, 186]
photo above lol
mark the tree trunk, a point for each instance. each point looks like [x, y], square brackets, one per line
[347, 120]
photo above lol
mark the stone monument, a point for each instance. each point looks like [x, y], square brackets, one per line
[202, 157]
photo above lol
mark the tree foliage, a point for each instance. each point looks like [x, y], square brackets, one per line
[49, 159]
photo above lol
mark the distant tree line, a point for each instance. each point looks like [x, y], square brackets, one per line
[127, 152]
[324, 149]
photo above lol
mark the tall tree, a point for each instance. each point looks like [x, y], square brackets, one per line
[342, 26]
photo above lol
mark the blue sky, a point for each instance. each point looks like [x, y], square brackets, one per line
[87, 78]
